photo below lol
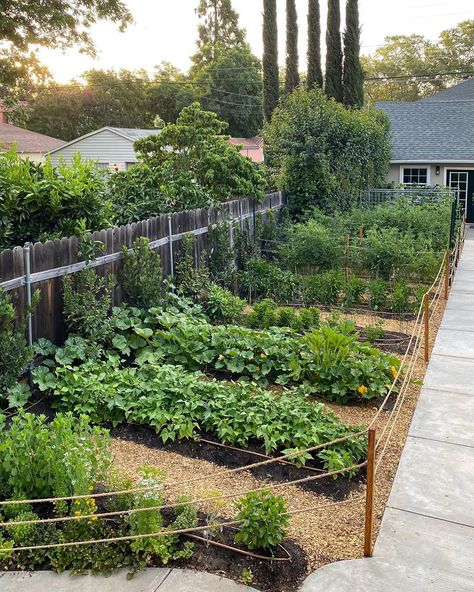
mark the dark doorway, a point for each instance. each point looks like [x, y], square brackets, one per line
[463, 182]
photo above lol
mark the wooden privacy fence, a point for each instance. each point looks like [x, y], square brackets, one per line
[41, 266]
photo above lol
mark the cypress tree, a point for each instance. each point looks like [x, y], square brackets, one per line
[292, 78]
[333, 86]
[315, 74]
[353, 76]
[270, 58]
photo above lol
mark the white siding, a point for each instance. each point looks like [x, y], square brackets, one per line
[105, 146]
[394, 174]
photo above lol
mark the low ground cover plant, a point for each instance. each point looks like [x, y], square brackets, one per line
[276, 355]
[180, 404]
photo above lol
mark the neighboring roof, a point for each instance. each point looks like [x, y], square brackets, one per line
[254, 142]
[464, 91]
[128, 133]
[25, 140]
[436, 130]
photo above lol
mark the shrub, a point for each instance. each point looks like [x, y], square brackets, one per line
[222, 306]
[87, 304]
[189, 279]
[141, 275]
[374, 332]
[324, 288]
[378, 294]
[313, 246]
[353, 291]
[221, 256]
[386, 252]
[266, 314]
[400, 298]
[14, 351]
[325, 153]
[40, 201]
[263, 279]
[61, 458]
[264, 520]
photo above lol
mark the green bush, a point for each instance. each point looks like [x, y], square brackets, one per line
[264, 520]
[353, 291]
[222, 306]
[267, 313]
[324, 288]
[40, 201]
[222, 256]
[325, 153]
[190, 280]
[378, 294]
[263, 279]
[141, 275]
[14, 351]
[87, 304]
[400, 298]
[312, 246]
[61, 458]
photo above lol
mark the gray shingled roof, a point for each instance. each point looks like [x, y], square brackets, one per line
[464, 91]
[433, 130]
[25, 140]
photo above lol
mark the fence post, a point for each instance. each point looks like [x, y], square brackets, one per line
[426, 319]
[27, 262]
[447, 263]
[360, 232]
[170, 241]
[241, 220]
[346, 257]
[369, 493]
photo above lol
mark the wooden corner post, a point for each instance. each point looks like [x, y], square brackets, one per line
[426, 322]
[369, 493]
[346, 256]
[447, 270]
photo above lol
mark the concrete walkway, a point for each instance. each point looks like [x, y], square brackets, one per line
[149, 580]
[426, 540]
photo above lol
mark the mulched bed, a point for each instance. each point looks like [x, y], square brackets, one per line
[337, 489]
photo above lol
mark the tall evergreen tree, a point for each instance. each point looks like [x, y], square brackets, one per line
[292, 77]
[353, 76]
[270, 58]
[218, 31]
[333, 86]
[315, 74]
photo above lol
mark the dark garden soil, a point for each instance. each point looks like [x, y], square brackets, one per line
[337, 489]
[392, 342]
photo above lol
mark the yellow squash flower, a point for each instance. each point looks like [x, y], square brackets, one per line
[394, 371]
[362, 389]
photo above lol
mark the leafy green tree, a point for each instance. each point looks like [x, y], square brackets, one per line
[236, 98]
[169, 92]
[61, 23]
[187, 164]
[326, 154]
[409, 55]
[120, 99]
[271, 89]
[292, 78]
[314, 74]
[333, 86]
[218, 31]
[353, 76]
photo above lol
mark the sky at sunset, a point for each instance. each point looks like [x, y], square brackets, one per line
[165, 30]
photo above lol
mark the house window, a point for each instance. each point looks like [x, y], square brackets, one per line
[102, 166]
[128, 165]
[412, 176]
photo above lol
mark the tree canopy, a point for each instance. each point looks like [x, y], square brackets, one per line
[409, 55]
[57, 23]
[271, 89]
[353, 76]
[218, 31]
[292, 77]
[232, 88]
[314, 75]
[333, 82]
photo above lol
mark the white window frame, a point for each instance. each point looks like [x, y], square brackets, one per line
[416, 166]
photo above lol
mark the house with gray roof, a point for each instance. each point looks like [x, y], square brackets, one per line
[433, 141]
[110, 147]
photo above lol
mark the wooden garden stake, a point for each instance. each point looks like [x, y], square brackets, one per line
[426, 319]
[446, 274]
[360, 232]
[369, 493]
[346, 261]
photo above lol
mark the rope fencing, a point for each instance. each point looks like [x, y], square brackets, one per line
[377, 450]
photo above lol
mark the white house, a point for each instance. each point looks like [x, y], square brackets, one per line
[110, 147]
[433, 141]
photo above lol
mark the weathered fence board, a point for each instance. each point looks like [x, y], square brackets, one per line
[52, 260]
